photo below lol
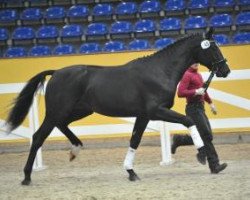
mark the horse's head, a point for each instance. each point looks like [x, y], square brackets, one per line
[209, 55]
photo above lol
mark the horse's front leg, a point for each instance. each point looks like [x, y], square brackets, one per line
[139, 128]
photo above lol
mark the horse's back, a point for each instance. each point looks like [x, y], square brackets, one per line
[114, 91]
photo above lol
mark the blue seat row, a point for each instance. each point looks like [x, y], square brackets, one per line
[126, 28]
[58, 13]
[113, 46]
[64, 49]
[143, 4]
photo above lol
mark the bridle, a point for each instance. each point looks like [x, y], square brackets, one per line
[215, 67]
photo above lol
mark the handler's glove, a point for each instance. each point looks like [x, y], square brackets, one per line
[200, 91]
[213, 108]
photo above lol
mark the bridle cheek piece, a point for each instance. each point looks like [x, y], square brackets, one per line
[205, 44]
[216, 65]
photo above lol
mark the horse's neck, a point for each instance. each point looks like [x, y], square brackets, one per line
[176, 65]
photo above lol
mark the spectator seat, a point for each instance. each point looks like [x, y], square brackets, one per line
[55, 14]
[114, 46]
[96, 31]
[221, 39]
[40, 50]
[144, 28]
[139, 44]
[170, 26]
[8, 17]
[47, 34]
[195, 24]
[242, 38]
[243, 21]
[150, 8]
[71, 33]
[221, 22]
[88, 48]
[163, 42]
[102, 12]
[126, 10]
[78, 13]
[64, 49]
[14, 52]
[31, 16]
[224, 6]
[198, 6]
[174, 7]
[244, 5]
[121, 30]
[23, 35]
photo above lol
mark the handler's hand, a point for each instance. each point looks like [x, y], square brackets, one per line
[213, 108]
[200, 91]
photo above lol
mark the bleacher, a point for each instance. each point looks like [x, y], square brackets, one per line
[58, 27]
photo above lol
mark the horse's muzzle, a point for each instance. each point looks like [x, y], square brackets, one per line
[223, 71]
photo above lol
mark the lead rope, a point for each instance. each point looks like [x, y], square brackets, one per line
[207, 83]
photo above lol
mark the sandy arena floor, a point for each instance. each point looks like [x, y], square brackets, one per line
[98, 174]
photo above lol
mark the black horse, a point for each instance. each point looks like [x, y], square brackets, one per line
[143, 88]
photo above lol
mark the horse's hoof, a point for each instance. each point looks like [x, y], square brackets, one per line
[132, 175]
[134, 178]
[71, 156]
[26, 182]
[74, 152]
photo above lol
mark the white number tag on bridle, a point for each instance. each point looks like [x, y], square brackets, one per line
[205, 44]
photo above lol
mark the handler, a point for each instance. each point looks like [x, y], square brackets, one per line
[191, 88]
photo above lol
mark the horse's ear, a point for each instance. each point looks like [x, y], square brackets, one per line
[209, 34]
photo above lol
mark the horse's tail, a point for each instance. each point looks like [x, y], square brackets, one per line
[24, 100]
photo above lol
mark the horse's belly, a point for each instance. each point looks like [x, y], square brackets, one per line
[114, 96]
[117, 109]
[117, 105]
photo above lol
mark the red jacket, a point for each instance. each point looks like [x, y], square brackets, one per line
[191, 81]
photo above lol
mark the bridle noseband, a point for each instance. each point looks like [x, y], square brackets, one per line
[216, 65]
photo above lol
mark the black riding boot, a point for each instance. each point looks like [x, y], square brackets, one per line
[213, 160]
[180, 140]
[215, 169]
[215, 166]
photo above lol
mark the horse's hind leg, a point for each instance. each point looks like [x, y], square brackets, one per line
[38, 138]
[139, 128]
[63, 127]
[76, 143]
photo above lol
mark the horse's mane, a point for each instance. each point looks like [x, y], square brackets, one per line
[168, 49]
